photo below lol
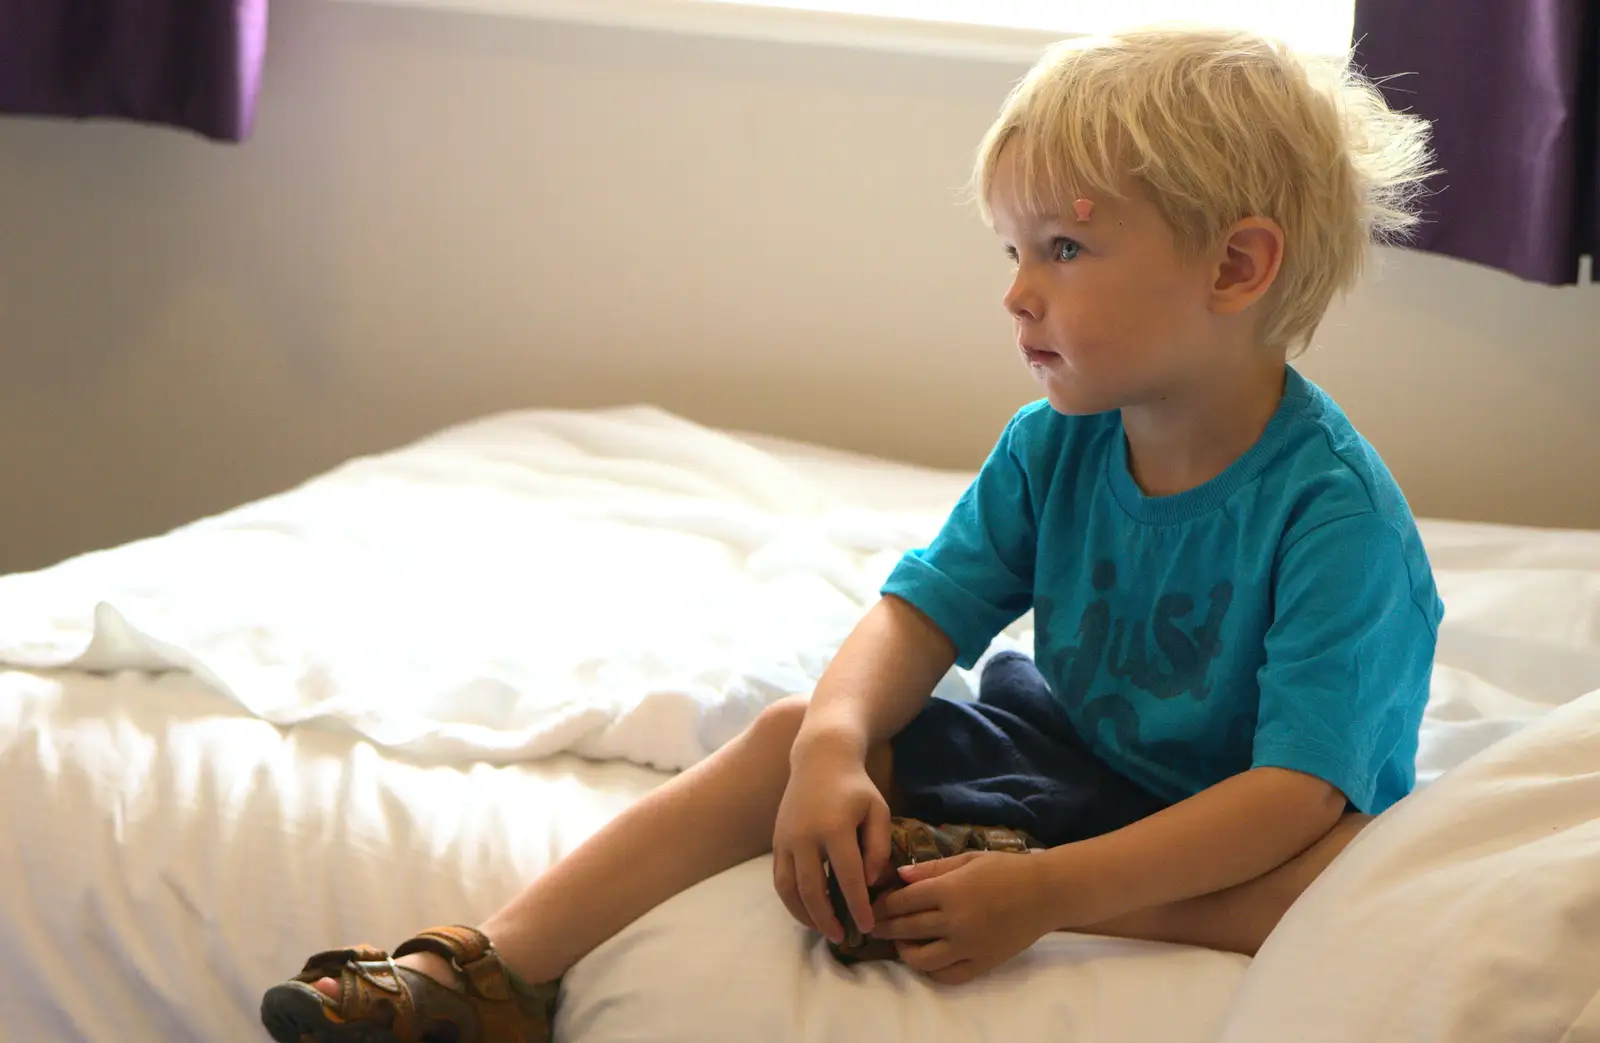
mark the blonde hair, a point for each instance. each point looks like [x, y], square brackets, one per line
[1216, 125]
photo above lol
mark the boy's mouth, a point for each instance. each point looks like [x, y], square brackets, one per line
[1039, 356]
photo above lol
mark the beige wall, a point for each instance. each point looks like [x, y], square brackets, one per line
[442, 216]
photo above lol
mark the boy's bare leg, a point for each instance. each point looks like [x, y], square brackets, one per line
[709, 818]
[1240, 918]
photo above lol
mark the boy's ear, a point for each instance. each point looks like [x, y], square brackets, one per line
[1251, 256]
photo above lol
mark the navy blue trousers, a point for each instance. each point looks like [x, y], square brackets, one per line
[1011, 758]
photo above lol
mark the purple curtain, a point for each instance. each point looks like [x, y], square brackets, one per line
[194, 64]
[1512, 90]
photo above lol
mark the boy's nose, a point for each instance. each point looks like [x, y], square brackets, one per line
[1021, 301]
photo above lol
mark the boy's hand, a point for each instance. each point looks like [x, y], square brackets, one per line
[958, 918]
[830, 809]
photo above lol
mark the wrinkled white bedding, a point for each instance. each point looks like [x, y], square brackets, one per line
[165, 857]
[1468, 913]
[618, 585]
[453, 621]
[628, 585]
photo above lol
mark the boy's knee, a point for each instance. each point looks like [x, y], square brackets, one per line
[780, 721]
[1349, 826]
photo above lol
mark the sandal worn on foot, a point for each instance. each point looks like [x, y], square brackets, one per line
[382, 1002]
[911, 840]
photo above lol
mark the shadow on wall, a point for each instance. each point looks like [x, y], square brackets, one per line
[443, 216]
[166, 313]
[114, 232]
[1477, 388]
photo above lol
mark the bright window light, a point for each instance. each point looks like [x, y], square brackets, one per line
[1011, 30]
[1321, 25]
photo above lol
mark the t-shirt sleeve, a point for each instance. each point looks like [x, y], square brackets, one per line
[1349, 655]
[976, 577]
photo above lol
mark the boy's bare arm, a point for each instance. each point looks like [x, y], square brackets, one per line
[831, 809]
[1235, 831]
[881, 677]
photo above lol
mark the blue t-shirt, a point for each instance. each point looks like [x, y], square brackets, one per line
[1282, 614]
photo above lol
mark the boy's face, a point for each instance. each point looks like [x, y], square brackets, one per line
[1108, 314]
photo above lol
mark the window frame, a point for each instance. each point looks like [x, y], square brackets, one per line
[793, 24]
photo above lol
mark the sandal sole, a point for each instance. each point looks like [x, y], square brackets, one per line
[293, 1013]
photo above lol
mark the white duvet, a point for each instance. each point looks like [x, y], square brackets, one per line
[619, 585]
[627, 585]
[452, 622]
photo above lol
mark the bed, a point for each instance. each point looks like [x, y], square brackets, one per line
[387, 697]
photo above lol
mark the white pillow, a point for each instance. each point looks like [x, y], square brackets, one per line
[1470, 912]
[724, 962]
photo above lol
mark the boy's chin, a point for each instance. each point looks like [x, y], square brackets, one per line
[1075, 402]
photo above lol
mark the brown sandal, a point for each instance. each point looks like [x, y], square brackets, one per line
[381, 1002]
[911, 840]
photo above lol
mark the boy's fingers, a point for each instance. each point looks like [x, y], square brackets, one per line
[875, 843]
[957, 973]
[937, 867]
[844, 857]
[814, 895]
[926, 957]
[783, 883]
[913, 928]
[919, 897]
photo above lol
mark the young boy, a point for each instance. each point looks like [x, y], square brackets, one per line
[1235, 616]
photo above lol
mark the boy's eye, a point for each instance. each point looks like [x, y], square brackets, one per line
[1061, 249]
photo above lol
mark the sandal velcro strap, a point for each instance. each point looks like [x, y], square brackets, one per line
[459, 944]
[318, 966]
[472, 955]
